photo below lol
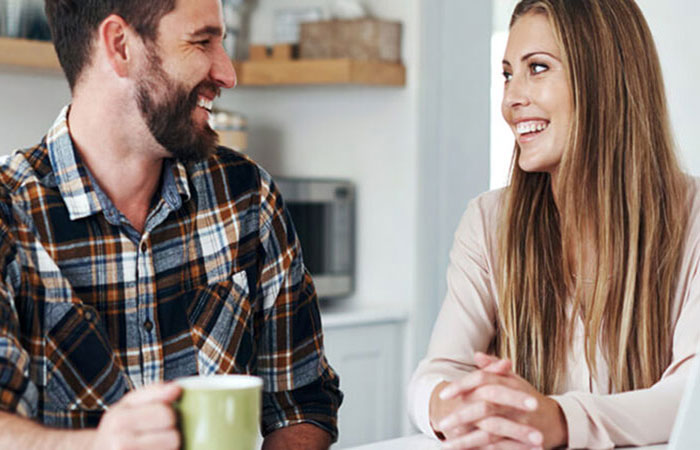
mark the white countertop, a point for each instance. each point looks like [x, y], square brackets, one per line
[415, 442]
[338, 315]
[422, 442]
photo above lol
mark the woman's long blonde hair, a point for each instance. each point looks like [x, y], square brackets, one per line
[620, 190]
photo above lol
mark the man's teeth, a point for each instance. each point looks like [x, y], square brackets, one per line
[529, 127]
[206, 104]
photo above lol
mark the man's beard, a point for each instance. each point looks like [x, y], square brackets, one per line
[170, 119]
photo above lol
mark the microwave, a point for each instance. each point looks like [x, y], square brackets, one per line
[323, 214]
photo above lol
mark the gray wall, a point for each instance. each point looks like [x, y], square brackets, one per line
[454, 138]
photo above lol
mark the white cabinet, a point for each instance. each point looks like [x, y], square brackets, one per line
[368, 355]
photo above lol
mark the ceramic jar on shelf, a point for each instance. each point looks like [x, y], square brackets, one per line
[24, 19]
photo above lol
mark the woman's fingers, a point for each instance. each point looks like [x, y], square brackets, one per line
[487, 401]
[468, 415]
[480, 378]
[505, 428]
[477, 438]
[453, 433]
[497, 432]
[492, 363]
[506, 396]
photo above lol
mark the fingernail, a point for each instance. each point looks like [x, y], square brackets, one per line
[535, 437]
[531, 404]
[445, 424]
[445, 393]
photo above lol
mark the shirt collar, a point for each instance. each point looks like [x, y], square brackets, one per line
[177, 172]
[71, 174]
[80, 194]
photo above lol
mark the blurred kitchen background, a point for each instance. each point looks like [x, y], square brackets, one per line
[413, 151]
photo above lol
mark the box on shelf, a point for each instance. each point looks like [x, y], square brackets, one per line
[362, 39]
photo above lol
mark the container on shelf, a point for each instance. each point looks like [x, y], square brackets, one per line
[24, 19]
[232, 128]
[237, 21]
[364, 39]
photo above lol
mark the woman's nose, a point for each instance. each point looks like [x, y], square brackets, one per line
[516, 93]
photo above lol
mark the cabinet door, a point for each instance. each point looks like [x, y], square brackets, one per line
[368, 359]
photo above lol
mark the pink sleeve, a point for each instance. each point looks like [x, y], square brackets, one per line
[645, 416]
[465, 323]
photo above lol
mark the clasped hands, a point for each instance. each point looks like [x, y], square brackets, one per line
[494, 408]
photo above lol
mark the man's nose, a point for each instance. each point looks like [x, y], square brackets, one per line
[222, 71]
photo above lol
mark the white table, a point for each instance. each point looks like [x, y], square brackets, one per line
[415, 442]
[422, 442]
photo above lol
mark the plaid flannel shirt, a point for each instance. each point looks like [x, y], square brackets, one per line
[90, 308]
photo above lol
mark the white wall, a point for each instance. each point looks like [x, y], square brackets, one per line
[454, 139]
[29, 105]
[674, 25]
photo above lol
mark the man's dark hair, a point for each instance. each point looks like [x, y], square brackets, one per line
[74, 24]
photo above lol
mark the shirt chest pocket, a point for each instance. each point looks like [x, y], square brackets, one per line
[82, 371]
[221, 324]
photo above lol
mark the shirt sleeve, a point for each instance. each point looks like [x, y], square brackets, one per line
[466, 322]
[299, 384]
[645, 416]
[17, 393]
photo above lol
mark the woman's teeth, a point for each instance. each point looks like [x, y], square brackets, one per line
[531, 127]
[206, 104]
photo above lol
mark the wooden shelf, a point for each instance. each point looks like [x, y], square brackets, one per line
[320, 72]
[22, 53]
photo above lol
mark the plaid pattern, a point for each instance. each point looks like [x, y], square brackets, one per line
[90, 308]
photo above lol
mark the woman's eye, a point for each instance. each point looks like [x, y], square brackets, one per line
[507, 75]
[536, 68]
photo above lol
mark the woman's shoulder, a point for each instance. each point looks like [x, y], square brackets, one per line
[481, 218]
[486, 206]
[693, 191]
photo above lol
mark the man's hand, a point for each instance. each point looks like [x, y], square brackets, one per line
[143, 419]
[492, 407]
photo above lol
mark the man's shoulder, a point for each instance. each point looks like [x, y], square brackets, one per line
[23, 167]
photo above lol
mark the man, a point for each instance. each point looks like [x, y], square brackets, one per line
[134, 251]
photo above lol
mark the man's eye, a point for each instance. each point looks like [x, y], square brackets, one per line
[536, 68]
[507, 75]
[203, 42]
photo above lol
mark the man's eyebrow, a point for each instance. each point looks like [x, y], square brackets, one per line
[208, 30]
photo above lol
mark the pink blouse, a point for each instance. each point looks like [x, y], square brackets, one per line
[596, 418]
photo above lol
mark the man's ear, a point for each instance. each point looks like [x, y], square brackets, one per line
[115, 38]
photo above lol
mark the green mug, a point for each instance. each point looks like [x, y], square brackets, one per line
[220, 412]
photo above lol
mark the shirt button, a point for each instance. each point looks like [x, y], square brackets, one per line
[148, 325]
[89, 316]
[144, 246]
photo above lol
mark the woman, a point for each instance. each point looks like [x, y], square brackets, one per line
[580, 279]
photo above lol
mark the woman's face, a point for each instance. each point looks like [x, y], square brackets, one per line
[537, 101]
